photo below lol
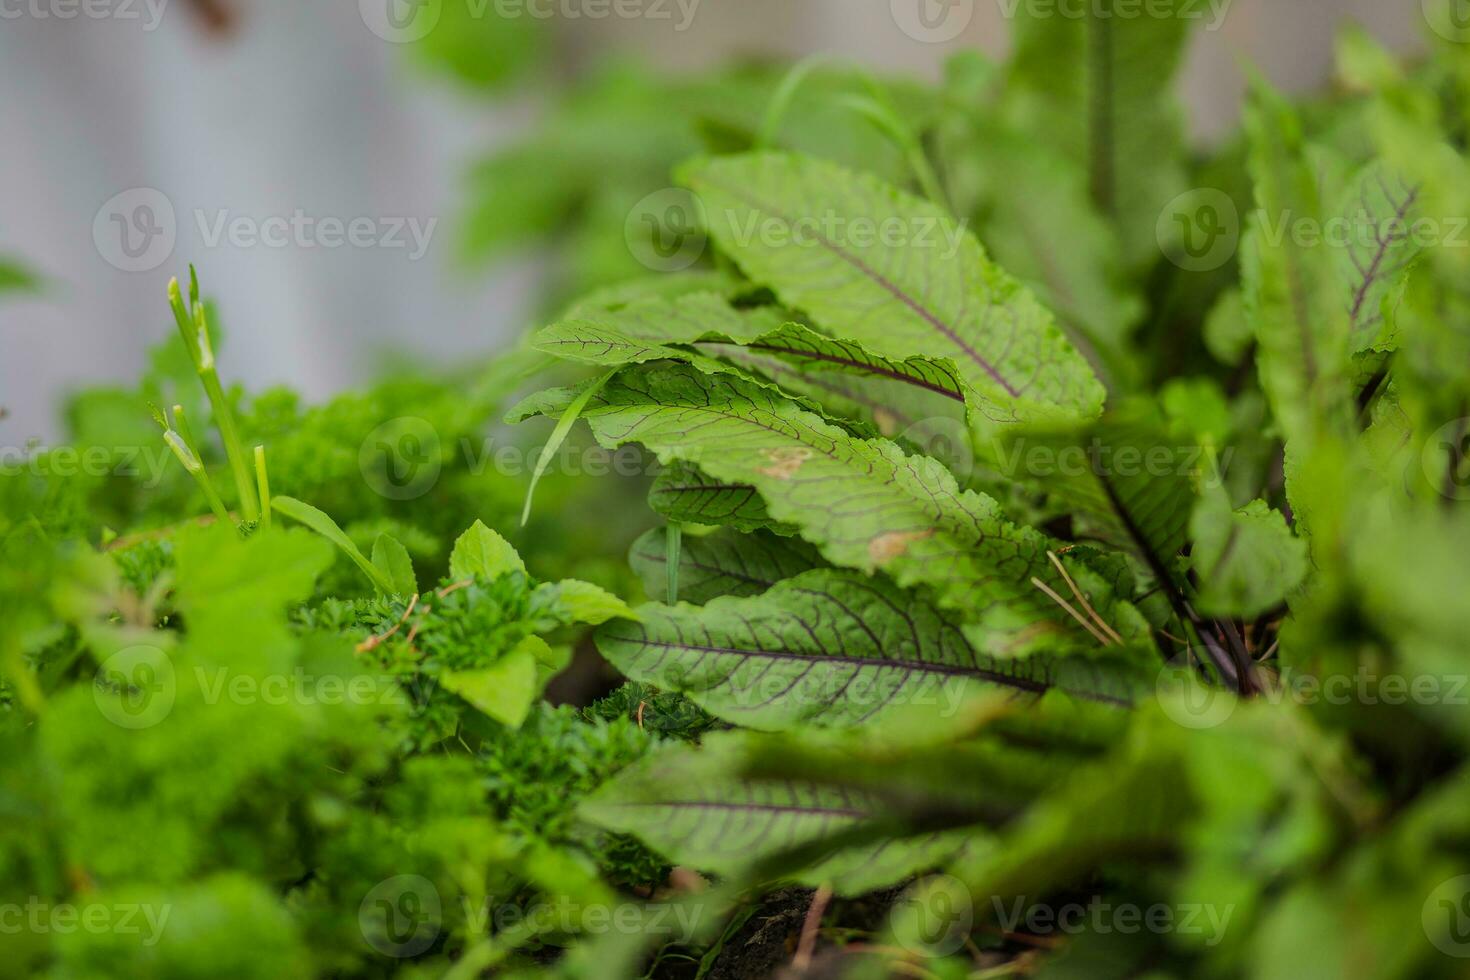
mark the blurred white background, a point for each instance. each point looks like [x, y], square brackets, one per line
[300, 107]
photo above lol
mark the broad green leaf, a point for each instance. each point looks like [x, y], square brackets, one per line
[323, 524]
[570, 601]
[809, 230]
[391, 558]
[1035, 216]
[830, 648]
[700, 328]
[1247, 561]
[682, 492]
[638, 331]
[480, 553]
[1099, 88]
[722, 563]
[691, 805]
[506, 689]
[864, 503]
[1377, 211]
[1292, 293]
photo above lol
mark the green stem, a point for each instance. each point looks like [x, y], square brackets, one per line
[782, 99]
[193, 324]
[197, 471]
[673, 541]
[224, 420]
[263, 484]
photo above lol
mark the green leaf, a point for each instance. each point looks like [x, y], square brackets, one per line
[505, 690]
[797, 225]
[480, 553]
[691, 805]
[14, 276]
[391, 558]
[1379, 212]
[1292, 293]
[323, 524]
[571, 601]
[1247, 560]
[1041, 225]
[639, 330]
[722, 563]
[682, 493]
[863, 502]
[558, 436]
[1099, 87]
[1126, 475]
[830, 648]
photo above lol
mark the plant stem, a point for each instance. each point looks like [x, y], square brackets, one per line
[196, 470]
[263, 484]
[194, 327]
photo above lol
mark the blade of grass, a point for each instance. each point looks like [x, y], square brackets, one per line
[323, 524]
[559, 436]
